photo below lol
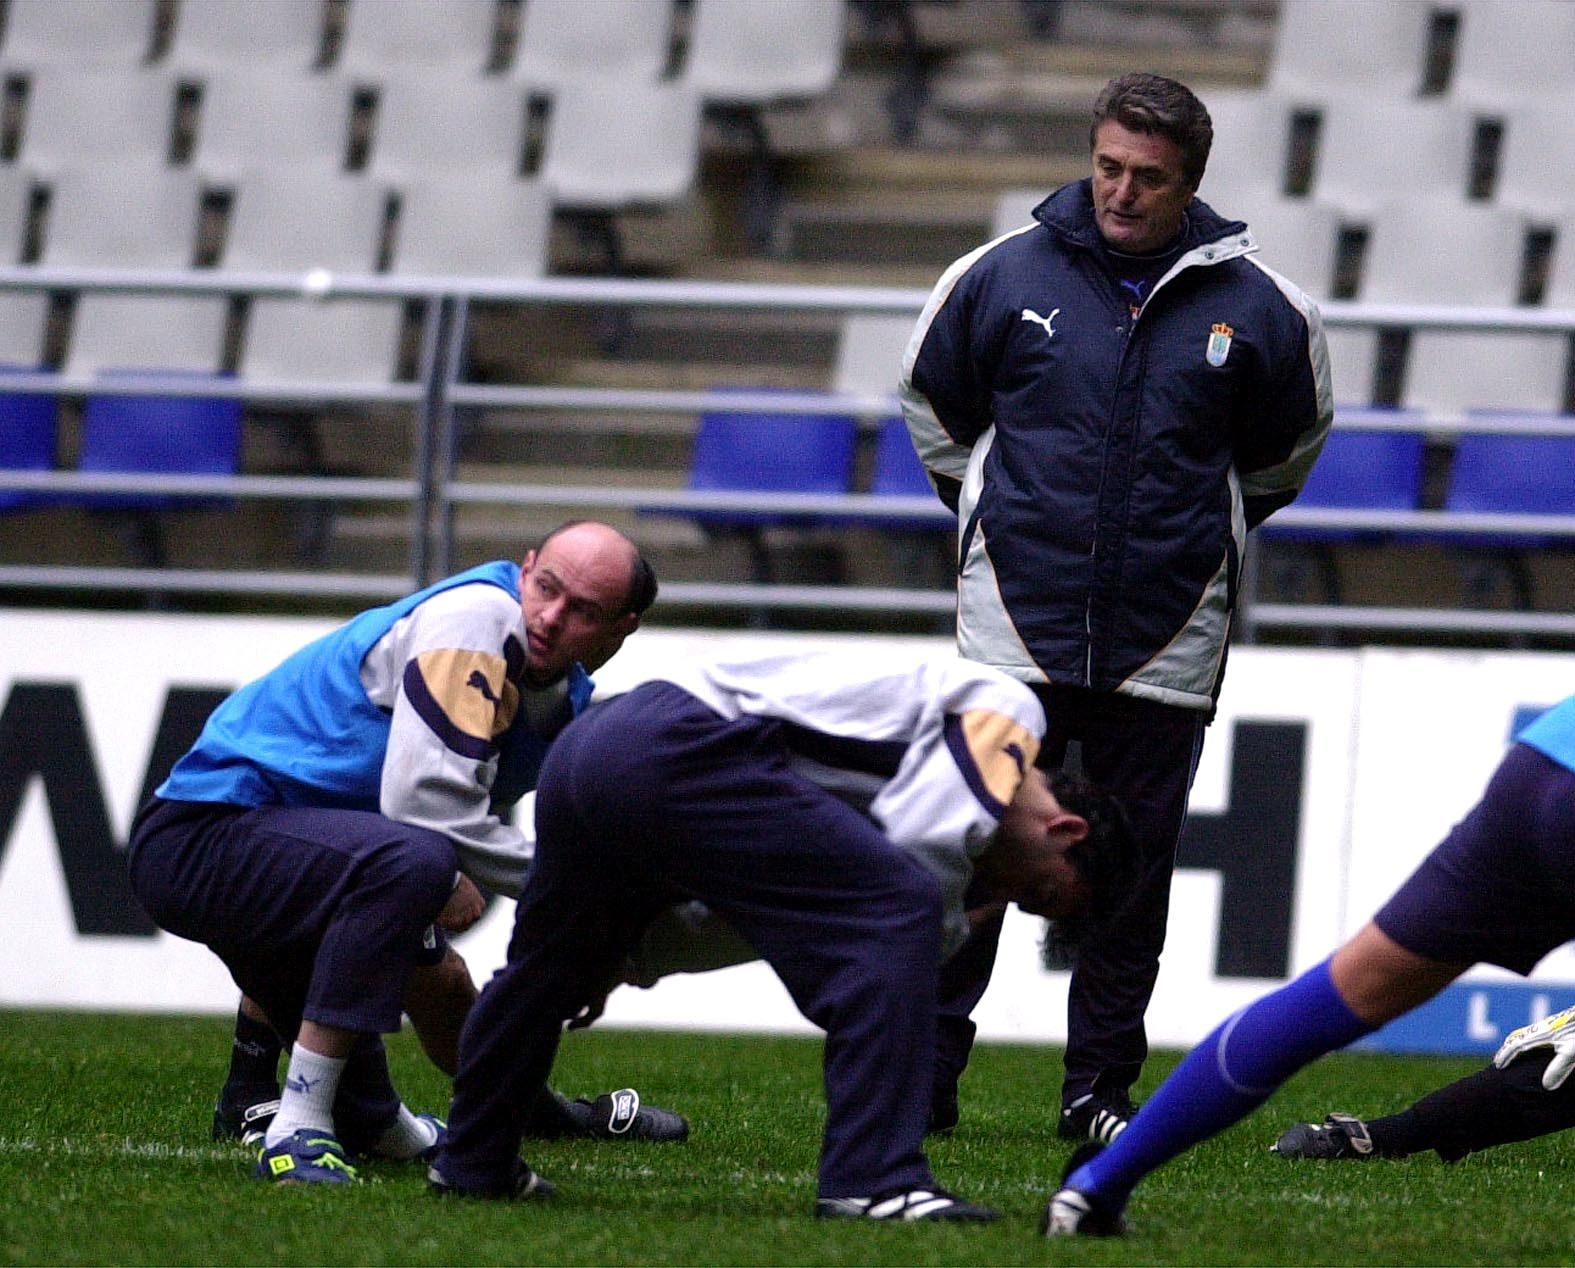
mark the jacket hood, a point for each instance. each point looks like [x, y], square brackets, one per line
[1069, 211]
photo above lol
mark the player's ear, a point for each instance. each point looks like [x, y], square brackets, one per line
[1066, 826]
[529, 561]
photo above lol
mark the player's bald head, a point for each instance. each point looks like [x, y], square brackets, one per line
[594, 544]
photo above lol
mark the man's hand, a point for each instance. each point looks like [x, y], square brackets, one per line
[1556, 1032]
[464, 907]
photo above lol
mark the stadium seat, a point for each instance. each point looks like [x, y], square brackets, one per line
[293, 221]
[1538, 140]
[1251, 143]
[78, 117]
[420, 118]
[1361, 470]
[383, 38]
[473, 224]
[741, 51]
[606, 153]
[23, 317]
[745, 57]
[156, 435]
[24, 314]
[898, 473]
[1330, 49]
[1514, 53]
[613, 42]
[610, 150]
[1297, 237]
[271, 120]
[870, 348]
[184, 333]
[921, 551]
[29, 435]
[153, 225]
[164, 435]
[1449, 371]
[337, 341]
[77, 33]
[212, 39]
[16, 195]
[743, 451]
[304, 221]
[1509, 475]
[1374, 150]
[748, 452]
[1014, 208]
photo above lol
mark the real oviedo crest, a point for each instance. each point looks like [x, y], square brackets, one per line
[1219, 344]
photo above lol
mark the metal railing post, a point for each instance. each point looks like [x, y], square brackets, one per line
[446, 420]
[429, 374]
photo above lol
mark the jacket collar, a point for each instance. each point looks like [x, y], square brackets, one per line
[1069, 212]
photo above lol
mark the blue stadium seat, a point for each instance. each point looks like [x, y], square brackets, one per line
[164, 435]
[771, 453]
[161, 435]
[1357, 470]
[1360, 470]
[746, 451]
[898, 471]
[28, 440]
[1509, 475]
[922, 551]
[1513, 475]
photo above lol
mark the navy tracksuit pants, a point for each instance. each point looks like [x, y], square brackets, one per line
[652, 798]
[317, 914]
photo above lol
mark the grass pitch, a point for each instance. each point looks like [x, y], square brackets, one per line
[105, 1159]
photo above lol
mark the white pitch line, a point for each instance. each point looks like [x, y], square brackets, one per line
[121, 1149]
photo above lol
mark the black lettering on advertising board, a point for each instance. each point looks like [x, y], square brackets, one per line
[1252, 845]
[43, 734]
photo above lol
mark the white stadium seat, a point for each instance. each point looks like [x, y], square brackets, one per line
[224, 36]
[606, 150]
[611, 42]
[473, 224]
[77, 33]
[742, 51]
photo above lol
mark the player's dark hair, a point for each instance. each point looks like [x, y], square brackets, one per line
[642, 577]
[1107, 857]
[1151, 103]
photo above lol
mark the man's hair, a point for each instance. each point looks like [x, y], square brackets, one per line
[1107, 858]
[642, 577]
[1151, 103]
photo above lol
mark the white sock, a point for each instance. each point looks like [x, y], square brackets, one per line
[307, 1102]
[407, 1136]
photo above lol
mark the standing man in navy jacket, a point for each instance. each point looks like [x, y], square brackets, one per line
[1110, 397]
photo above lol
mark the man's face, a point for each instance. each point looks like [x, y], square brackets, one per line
[1139, 190]
[573, 593]
[1028, 863]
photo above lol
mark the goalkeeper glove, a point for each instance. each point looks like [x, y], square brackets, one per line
[1557, 1032]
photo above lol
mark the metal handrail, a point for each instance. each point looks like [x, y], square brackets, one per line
[433, 492]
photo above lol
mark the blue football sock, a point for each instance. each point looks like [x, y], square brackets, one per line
[1225, 1078]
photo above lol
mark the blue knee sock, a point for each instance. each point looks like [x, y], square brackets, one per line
[1225, 1078]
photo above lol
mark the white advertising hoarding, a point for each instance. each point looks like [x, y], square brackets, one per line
[1326, 776]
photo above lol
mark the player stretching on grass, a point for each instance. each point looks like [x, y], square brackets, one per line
[839, 816]
[338, 808]
[1500, 889]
